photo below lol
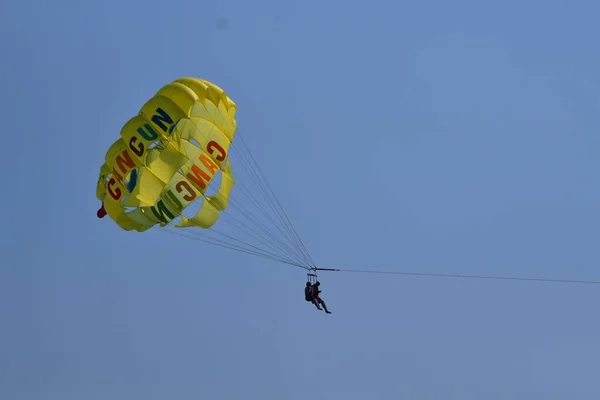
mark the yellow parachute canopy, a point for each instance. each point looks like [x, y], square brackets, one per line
[167, 156]
[171, 167]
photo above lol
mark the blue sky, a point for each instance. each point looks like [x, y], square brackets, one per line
[440, 137]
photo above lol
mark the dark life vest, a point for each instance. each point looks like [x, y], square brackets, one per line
[308, 293]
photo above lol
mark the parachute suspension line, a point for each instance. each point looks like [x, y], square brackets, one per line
[275, 240]
[254, 237]
[280, 207]
[237, 223]
[232, 247]
[251, 166]
[258, 184]
[275, 243]
[277, 253]
[260, 236]
[289, 246]
[230, 242]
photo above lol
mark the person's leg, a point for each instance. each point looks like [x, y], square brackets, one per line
[316, 303]
[324, 306]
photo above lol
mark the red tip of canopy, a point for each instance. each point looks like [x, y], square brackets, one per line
[101, 212]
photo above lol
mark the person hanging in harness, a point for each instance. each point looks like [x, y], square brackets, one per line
[311, 293]
[308, 292]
